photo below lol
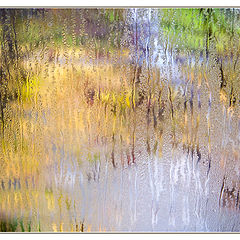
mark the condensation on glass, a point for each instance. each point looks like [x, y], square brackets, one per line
[123, 120]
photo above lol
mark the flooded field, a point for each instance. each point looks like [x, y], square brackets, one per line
[120, 120]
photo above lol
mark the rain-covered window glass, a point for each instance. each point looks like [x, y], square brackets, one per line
[124, 120]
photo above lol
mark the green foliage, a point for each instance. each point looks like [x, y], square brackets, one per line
[29, 226]
[13, 225]
[193, 28]
[8, 225]
[22, 226]
[29, 88]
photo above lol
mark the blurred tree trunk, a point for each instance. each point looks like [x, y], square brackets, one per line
[9, 56]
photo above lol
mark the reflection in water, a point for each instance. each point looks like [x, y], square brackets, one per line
[119, 120]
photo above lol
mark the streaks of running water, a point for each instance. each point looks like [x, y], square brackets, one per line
[116, 126]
